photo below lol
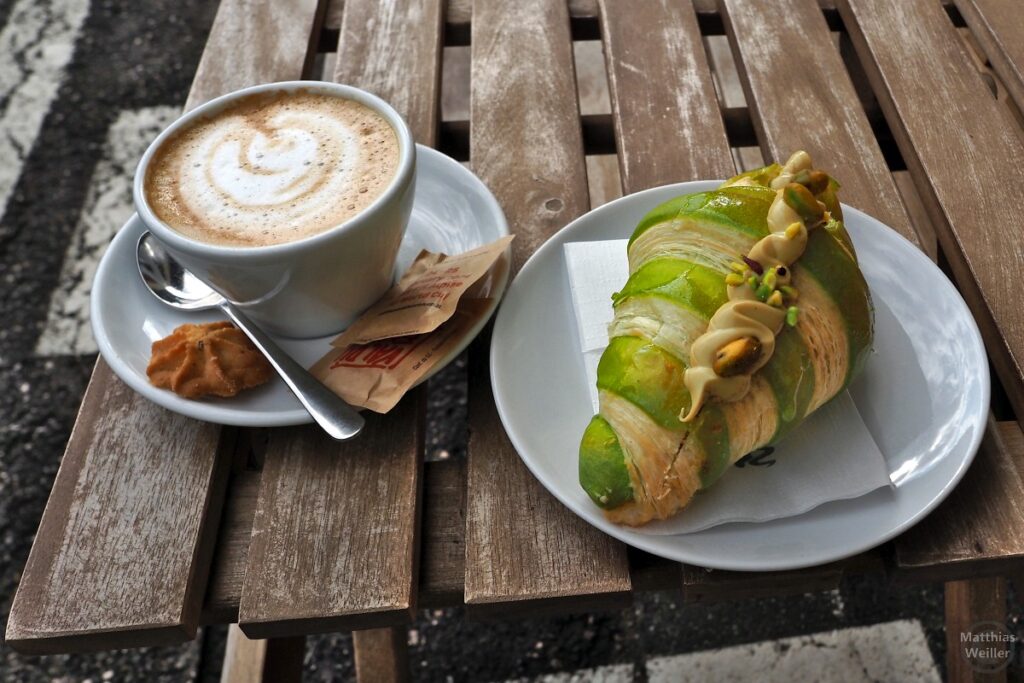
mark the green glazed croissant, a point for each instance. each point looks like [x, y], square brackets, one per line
[744, 312]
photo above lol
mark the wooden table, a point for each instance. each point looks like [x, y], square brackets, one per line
[158, 524]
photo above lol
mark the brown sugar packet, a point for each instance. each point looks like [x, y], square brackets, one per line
[397, 341]
[376, 375]
[425, 297]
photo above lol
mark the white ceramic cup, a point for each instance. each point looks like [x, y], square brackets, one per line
[314, 286]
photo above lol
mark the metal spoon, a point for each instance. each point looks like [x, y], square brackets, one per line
[170, 282]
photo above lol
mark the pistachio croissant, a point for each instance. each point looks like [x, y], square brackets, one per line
[744, 312]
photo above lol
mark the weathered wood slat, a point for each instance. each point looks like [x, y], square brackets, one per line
[256, 42]
[977, 530]
[667, 123]
[262, 661]
[813, 107]
[460, 12]
[227, 573]
[334, 536]
[382, 655]
[458, 15]
[968, 604]
[999, 27]
[442, 569]
[123, 551]
[443, 553]
[393, 49]
[917, 212]
[124, 545]
[914, 61]
[703, 586]
[344, 553]
[523, 548]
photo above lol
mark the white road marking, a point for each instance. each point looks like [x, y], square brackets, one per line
[615, 673]
[35, 47]
[893, 652]
[108, 204]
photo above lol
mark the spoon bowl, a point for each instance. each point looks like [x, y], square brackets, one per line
[169, 281]
[174, 285]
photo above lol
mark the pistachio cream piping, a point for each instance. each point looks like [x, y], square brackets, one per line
[740, 337]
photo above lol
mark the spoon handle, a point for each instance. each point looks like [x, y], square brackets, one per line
[340, 420]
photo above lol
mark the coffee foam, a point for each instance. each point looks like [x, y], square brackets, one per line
[272, 169]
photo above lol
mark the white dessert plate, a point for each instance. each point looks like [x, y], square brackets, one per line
[924, 395]
[452, 212]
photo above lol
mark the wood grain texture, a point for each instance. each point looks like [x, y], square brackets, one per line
[668, 126]
[334, 536]
[523, 548]
[443, 554]
[243, 658]
[254, 42]
[344, 553]
[122, 551]
[460, 12]
[703, 586]
[381, 655]
[393, 49]
[443, 548]
[917, 212]
[998, 26]
[969, 603]
[977, 530]
[914, 60]
[227, 572]
[810, 104]
[125, 543]
[261, 661]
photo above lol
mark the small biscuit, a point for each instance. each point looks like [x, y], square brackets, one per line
[211, 359]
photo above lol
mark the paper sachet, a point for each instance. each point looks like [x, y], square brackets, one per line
[399, 339]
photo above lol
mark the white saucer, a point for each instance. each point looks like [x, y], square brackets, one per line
[453, 212]
[924, 395]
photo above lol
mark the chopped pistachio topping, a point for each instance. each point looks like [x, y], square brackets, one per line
[791, 315]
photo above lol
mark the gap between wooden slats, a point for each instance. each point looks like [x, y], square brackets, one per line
[458, 15]
[999, 26]
[336, 527]
[524, 550]
[137, 548]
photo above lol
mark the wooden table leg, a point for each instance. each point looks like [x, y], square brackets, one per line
[262, 661]
[382, 655]
[968, 604]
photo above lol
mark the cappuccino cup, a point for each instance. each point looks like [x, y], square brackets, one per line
[290, 199]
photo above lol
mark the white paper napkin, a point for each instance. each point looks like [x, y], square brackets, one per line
[830, 456]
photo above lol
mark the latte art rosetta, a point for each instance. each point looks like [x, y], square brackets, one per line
[270, 172]
[294, 170]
